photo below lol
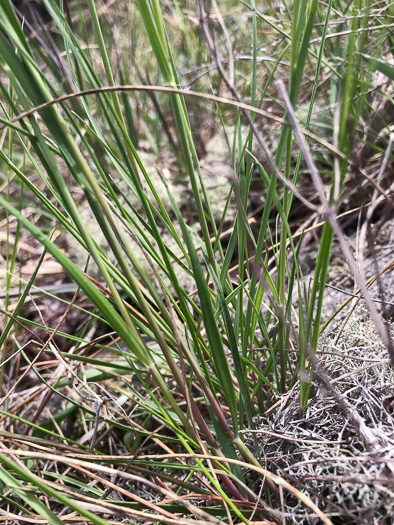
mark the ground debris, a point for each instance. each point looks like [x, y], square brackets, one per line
[340, 451]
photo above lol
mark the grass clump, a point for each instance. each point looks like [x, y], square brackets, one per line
[182, 324]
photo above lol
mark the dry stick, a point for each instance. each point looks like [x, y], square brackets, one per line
[356, 296]
[329, 213]
[25, 401]
[386, 158]
[366, 229]
[18, 439]
[350, 31]
[358, 459]
[207, 497]
[228, 41]
[354, 480]
[107, 507]
[355, 371]
[170, 90]
[374, 183]
[91, 344]
[368, 284]
[24, 344]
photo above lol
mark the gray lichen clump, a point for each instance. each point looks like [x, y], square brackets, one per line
[340, 451]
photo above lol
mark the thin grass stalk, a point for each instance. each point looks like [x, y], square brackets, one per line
[313, 94]
[322, 264]
[10, 264]
[9, 324]
[154, 25]
[295, 82]
[304, 342]
[108, 72]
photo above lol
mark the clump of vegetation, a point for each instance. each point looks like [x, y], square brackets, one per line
[163, 357]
